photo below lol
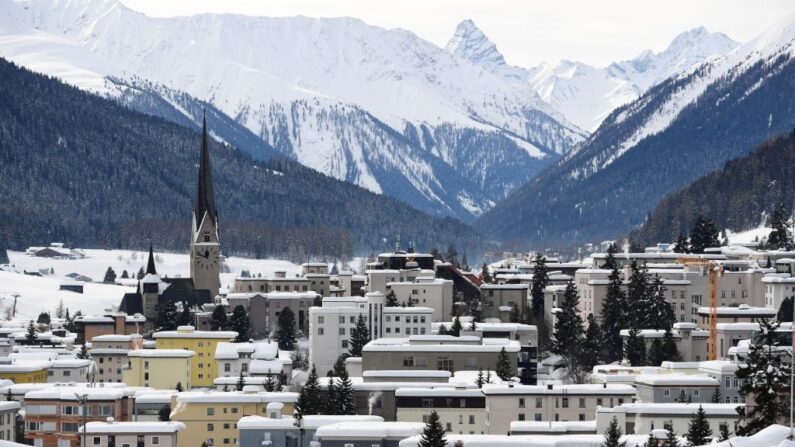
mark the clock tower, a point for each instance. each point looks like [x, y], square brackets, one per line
[205, 245]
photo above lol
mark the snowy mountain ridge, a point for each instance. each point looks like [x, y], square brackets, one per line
[337, 95]
[585, 94]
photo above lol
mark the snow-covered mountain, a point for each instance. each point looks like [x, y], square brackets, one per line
[584, 94]
[680, 129]
[380, 108]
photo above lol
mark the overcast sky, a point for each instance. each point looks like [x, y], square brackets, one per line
[526, 31]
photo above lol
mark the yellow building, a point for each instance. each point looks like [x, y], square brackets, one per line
[211, 416]
[24, 371]
[203, 343]
[161, 369]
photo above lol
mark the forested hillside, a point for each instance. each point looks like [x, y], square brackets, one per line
[736, 196]
[87, 171]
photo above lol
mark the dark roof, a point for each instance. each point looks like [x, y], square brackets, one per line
[179, 290]
[150, 266]
[205, 199]
[131, 303]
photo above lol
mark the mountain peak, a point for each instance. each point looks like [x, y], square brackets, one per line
[701, 40]
[470, 43]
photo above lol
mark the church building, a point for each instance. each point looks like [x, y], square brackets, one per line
[205, 256]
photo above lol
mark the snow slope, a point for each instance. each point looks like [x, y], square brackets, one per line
[338, 95]
[41, 294]
[584, 94]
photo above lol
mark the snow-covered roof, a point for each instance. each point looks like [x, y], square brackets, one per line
[402, 345]
[112, 338]
[505, 287]
[257, 366]
[191, 332]
[557, 440]
[71, 393]
[678, 380]
[165, 353]
[718, 366]
[672, 408]
[370, 430]
[740, 311]
[573, 389]
[553, 426]
[308, 422]
[407, 373]
[235, 397]
[154, 396]
[439, 392]
[133, 427]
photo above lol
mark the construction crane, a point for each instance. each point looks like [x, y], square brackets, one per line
[713, 269]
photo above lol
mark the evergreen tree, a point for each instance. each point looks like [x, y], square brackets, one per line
[285, 332]
[780, 237]
[484, 272]
[539, 283]
[659, 314]
[785, 311]
[241, 382]
[240, 324]
[724, 432]
[610, 260]
[568, 325]
[433, 434]
[110, 276]
[670, 351]
[613, 435]
[681, 245]
[671, 440]
[164, 415]
[478, 380]
[83, 354]
[125, 275]
[360, 336]
[270, 384]
[219, 321]
[656, 352]
[464, 262]
[339, 366]
[331, 397]
[589, 351]
[698, 431]
[765, 378]
[614, 311]
[637, 296]
[179, 387]
[44, 318]
[166, 316]
[503, 367]
[704, 235]
[309, 398]
[526, 377]
[488, 376]
[140, 274]
[9, 396]
[346, 400]
[185, 317]
[515, 317]
[32, 334]
[635, 349]
[443, 330]
[455, 329]
[716, 396]
[391, 299]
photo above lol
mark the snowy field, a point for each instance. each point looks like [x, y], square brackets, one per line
[41, 294]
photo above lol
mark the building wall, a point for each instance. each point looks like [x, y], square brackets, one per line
[438, 295]
[203, 367]
[131, 440]
[25, 377]
[670, 394]
[439, 360]
[109, 367]
[161, 373]
[47, 425]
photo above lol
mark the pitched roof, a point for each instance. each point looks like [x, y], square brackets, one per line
[150, 266]
[205, 199]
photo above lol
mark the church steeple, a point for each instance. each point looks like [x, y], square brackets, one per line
[205, 199]
[150, 266]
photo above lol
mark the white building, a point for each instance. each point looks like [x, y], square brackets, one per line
[777, 287]
[232, 359]
[426, 291]
[644, 417]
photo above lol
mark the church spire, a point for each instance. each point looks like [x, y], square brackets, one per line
[205, 199]
[150, 266]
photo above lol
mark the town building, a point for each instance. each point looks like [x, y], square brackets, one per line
[642, 418]
[499, 300]
[278, 429]
[263, 309]
[668, 388]
[109, 353]
[367, 433]
[24, 370]
[114, 323]
[203, 343]
[250, 359]
[8, 419]
[128, 434]
[460, 410]
[70, 370]
[425, 291]
[159, 368]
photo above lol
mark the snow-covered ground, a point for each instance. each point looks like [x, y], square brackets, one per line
[42, 294]
[748, 236]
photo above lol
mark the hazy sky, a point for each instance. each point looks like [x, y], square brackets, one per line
[525, 31]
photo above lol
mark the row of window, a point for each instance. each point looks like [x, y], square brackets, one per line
[564, 402]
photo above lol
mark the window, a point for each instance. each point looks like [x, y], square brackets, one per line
[520, 417]
[227, 367]
[155, 440]
[565, 402]
[210, 411]
[344, 344]
[444, 364]
[96, 440]
[67, 373]
[539, 402]
[320, 320]
[427, 403]
[342, 320]
[521, 402]
[320, 331]
[408, 361]
[471, 419]
[210, 427]
[538, 417]
[234, 410]
[582, 403]
[342, 331]
[448, 427]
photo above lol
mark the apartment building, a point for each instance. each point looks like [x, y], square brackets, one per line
[738, 314]
[24, 370]
[507, 403]
[778, 287]
[460, 410]
[725, 372]
[159, 368]
[203, 343]
[690, 341]
[278, 430]
[129, 434]
[109, 353]
[669, 388]
[264, 309]
[250, 359]
[499, 300]
[212, 416]
[644, 417]
[8, 418]
[70, 370]
[426, 291]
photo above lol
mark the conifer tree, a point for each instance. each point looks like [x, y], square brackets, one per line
[568, 325]
[613, 435]
[164, 415]
[503, 367]
[670, 351]
[610, 260]
[658, 312]
[443, 330]
[179, 387]
[539, 283]
[433, 434]
[455, 329]
[219, 321]
[780, 237]
[724, 432]
[681, 245]
[671, 440]
[698, 430]
[614, 311]
[589, 351]
[479, 381]
[124, 274]
[339, 366]
[270, 384]
[140, 274]
[635, 348]
[391, 299]
[166, 316]
[484, 272]
[360, 336]
[309, 398]
[716, 396]
[32, 334]
[83, 354]
[346, 401]
[656, 352]
[331, 397]
[704, 234]
[765, 377]
[240, 324]
[110, 276]
[185, 317]
[241, 382]
[785, 311]
[285, 332]
[515, 317]
[488, 376]
[637, 296]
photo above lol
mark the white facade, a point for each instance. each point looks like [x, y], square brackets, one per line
[426, 291]
[778, 287]
[69, 370]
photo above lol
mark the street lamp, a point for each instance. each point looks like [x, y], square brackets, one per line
[82, 399]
